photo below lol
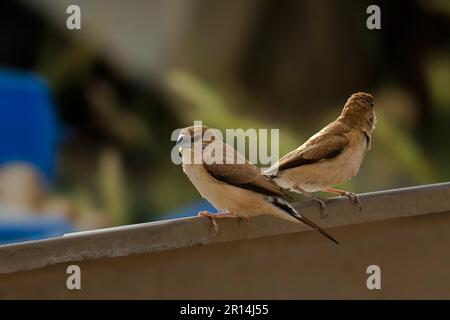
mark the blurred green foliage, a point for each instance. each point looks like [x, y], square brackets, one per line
[289, 65]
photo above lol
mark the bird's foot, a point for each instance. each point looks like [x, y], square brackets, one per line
[323, 202]
[352, 196]
[213, 217]
[323, 206]
[213, 220]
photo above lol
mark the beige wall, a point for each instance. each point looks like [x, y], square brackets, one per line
[413, 253]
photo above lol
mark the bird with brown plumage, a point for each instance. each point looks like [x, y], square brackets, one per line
[233, 185]
[331, 156]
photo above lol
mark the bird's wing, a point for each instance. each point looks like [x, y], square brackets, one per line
[319, 147]
[243, 174]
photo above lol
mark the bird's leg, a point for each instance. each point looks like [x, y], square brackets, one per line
[214, 216]
[352, 196]
[323, 202]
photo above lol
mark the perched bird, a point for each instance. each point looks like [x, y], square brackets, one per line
[233, 185]
[331, 156]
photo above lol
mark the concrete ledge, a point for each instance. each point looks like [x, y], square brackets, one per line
[173, 234]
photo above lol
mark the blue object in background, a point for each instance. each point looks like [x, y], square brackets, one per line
[28, 228]
[190, 210]
[29, 133]
[28, 124]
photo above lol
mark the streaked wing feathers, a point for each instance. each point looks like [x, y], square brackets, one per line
[245, 175]
[321, 147]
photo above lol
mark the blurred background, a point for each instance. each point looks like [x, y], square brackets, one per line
[86, 115]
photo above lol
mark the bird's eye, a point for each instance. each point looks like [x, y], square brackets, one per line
[371, 104]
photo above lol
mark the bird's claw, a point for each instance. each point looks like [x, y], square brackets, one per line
[354, 198]
[213, 221]
[213, 218]
[323, 206]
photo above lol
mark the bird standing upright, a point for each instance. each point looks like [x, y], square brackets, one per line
[331, 156]
[233, 185]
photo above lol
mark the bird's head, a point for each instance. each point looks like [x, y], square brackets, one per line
[359, 113]
[195, 137]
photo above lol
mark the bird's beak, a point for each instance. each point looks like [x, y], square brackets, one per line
[179, 141]
[182, 142]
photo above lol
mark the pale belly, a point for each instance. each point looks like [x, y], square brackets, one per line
[224, 197]
[318, 176]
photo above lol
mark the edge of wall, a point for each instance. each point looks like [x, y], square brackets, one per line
[179, 233]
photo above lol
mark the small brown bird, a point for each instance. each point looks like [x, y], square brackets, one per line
[331, 156]
[233, 185]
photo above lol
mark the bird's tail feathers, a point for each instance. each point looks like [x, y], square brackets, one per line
[288, 208]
